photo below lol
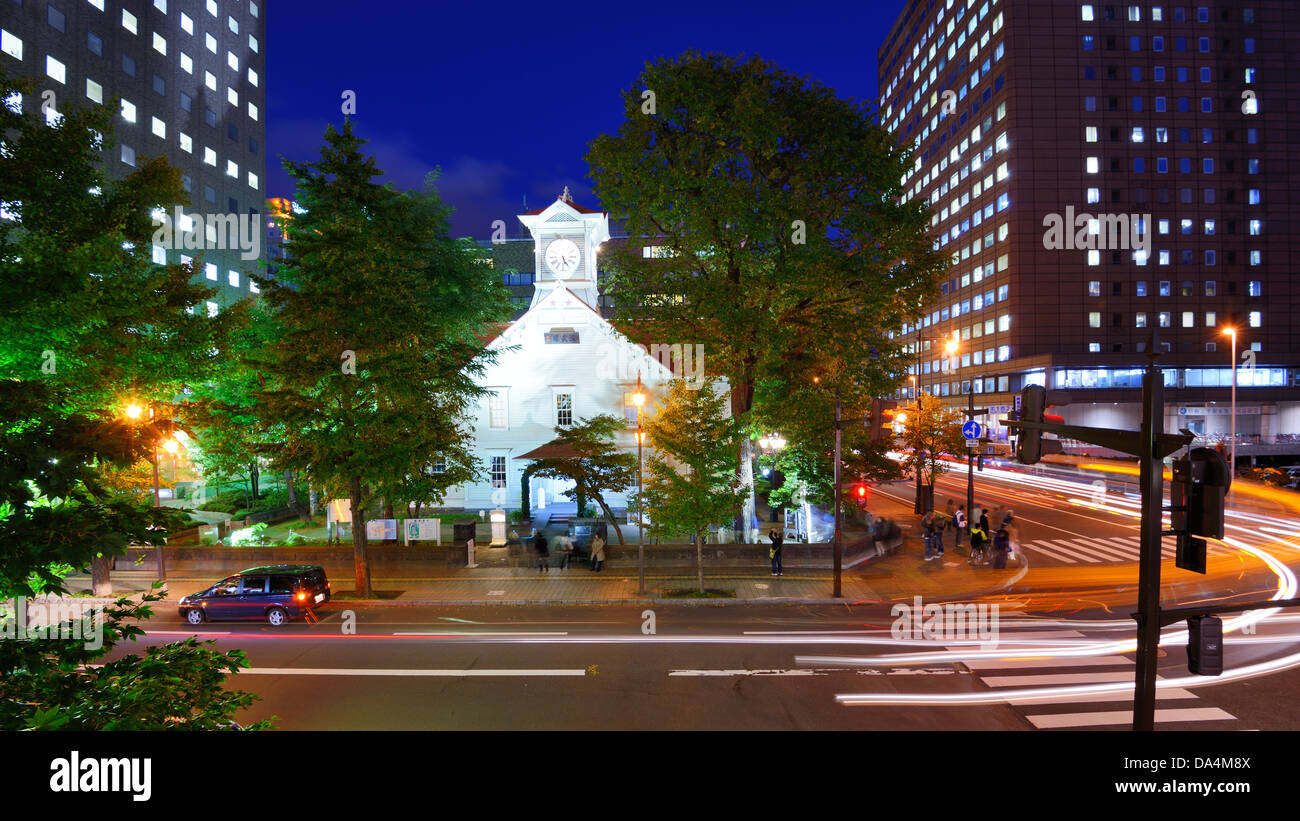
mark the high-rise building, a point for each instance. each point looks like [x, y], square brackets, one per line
[1100, 172]
[188, 79]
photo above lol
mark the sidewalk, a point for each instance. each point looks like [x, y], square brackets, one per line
[865, 579]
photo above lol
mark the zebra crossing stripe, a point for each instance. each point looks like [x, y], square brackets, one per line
[1049, 679]
[1034, 663]
[1123, 553]
[1048, 722]
[1161, 693]
[1129, 546]
[1038, 546]
[1102, 554]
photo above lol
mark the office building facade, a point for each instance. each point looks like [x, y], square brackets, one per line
[189, 83]
[1105, 175]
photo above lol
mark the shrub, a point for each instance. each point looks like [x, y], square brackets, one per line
[295, 538]
[228, 502]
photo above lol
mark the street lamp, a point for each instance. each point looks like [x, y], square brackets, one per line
[638, 399]
[1232, 425]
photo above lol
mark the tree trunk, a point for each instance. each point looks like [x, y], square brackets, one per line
[100, 583]
[609, 516]
[254, 476]
[749, 506]
[359, 539]
[699, 559]
[742, 401]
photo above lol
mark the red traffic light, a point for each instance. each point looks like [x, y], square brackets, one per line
[862, 491]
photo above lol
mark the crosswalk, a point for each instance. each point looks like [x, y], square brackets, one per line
[1176, 708]
[1096, 550]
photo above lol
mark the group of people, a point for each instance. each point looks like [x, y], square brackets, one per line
[999, 544]
[564, 546]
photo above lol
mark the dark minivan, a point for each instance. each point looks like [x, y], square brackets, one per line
[276, 593]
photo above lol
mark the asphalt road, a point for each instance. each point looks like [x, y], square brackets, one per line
[1061, 656]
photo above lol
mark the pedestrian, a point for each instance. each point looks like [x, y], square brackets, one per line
[774, 552]
[1001, 547]
[597, 553]
[539, 544]
[984, 522]
[878, 531]
[959, 526]
[978, 539]
[928, 533]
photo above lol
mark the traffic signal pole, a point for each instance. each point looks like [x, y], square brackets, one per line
[970, 458]
[837, 556]
[1152, 482]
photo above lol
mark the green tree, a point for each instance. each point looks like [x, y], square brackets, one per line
[931, 430]
[691, 480]
[372, 370]
[598, 467]
[87, 325]
[780, 208]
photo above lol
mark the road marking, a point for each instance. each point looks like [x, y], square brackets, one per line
[1127, 550]
[1056, 678]
[1037, 546]
[1022, 663]
[820, 671]
[477, 633]
[1161, 693]
[496, 592]
[1085, 549]
[367, 671]
[1045, 722]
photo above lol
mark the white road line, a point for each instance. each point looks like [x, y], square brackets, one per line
[1045, 722]
[1124, 553]
[1128, 548]
[368, 671]
[1163, 693]
[1010, 636]
[1056, 678]
[1104, 555]
[1016, 664]
[473, 633]
[1036, 546]
[820, 671]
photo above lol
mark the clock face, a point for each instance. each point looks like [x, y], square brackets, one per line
[562, 256]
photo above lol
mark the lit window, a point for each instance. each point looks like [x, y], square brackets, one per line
[212, 309]
[1164, 319]
[1253, 196]
[128, 21]
[1004, 322]
[1087, 13]
[1138, 135]
[159, 128]
[1004, 353]
[209, 157]
[210, 42]
[159, 255]
[1094, 347]
[252, 180]
[232, 169]
[1094, 257]
[232, 61]
[11, 45]
[187, 144]
[1211, 319]
[99, 4]
[252, 287]
[54, 69]
[1090, 134]
[231, 96]
[210, 269]
[233, 278]
[252, 77]
[94, 91]
[1094, 288]
[1094, 195]
[1094, 319]
[210, 80]
[1256, 288]
[187, 65]
[128, 110]
[1141, 319]
[212, 8]
[252, 43]
[128, 155]
[252, 111]
[159, 44]
[1189, 319]
[1256, 319]
[186, 23]
[232, 25]
[1092, 165]
[1256, 227]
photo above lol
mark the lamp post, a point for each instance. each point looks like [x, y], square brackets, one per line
[1232, 425]
[950, 346]
[638, 399]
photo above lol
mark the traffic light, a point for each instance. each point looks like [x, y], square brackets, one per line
[1197, 494]
[882, 413]
[1029, 442]
[1205, 645]
[861, 494]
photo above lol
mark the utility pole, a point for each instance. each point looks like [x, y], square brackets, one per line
[1152, 480]
[837, 556]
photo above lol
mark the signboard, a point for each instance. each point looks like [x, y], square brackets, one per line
[972, 443]
[339, 510]
[1017, 403]
[972, 430]
[381, 529]
[1248, 410]
[424, 530]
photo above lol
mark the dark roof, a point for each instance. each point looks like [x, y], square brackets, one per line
[580, 209]
[554, 449]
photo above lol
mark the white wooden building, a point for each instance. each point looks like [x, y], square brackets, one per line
[559, 363]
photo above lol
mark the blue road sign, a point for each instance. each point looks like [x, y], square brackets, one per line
[972, 429]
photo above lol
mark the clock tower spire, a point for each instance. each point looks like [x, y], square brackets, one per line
[566, 239]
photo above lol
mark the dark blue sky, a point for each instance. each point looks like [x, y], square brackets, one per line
[506, 95]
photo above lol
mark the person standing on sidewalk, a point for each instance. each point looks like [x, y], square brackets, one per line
[1001, 546]
[774, 552]
[928, 533]
[597, 553]
[539, 544]
[959, 525]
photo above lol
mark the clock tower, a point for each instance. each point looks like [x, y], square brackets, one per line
[566, 237]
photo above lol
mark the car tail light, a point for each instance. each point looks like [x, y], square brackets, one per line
[302, 596]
